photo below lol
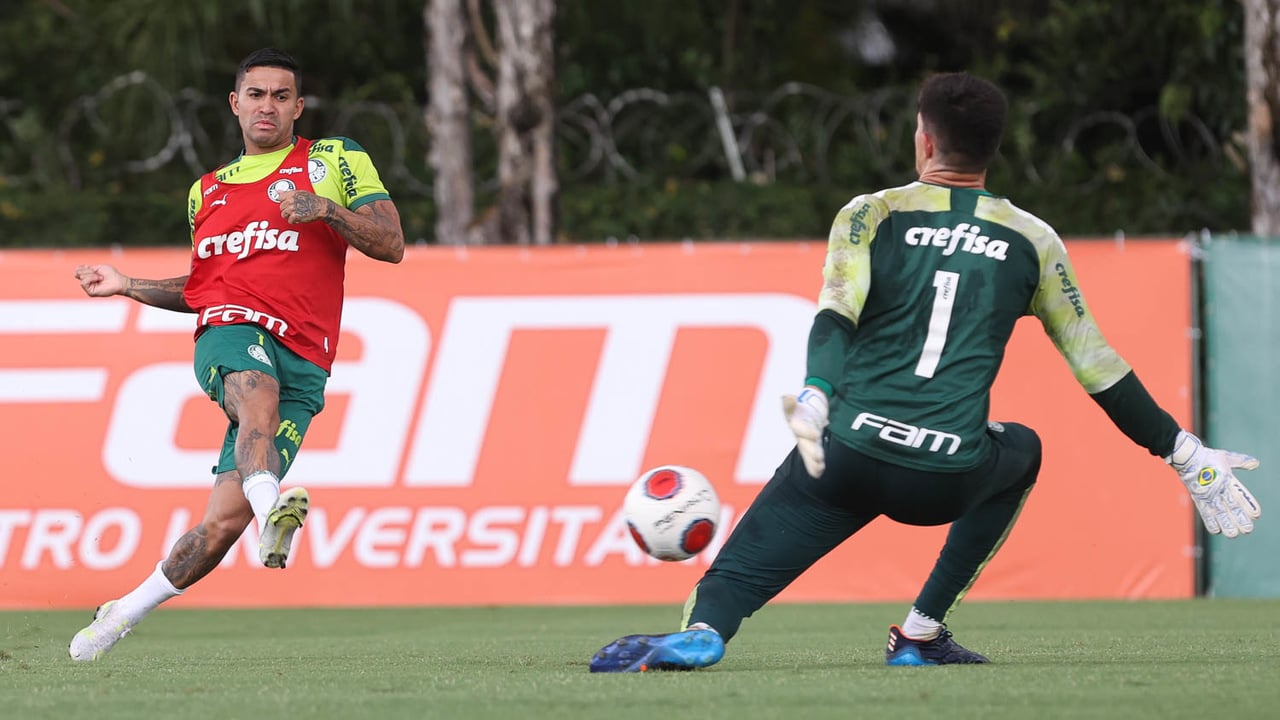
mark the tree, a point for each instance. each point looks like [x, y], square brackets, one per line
[528, 187]
[449, 120]
[521, 102]
[1262, 70]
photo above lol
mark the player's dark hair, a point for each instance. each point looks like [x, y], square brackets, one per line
[966, 116]
[270, 57]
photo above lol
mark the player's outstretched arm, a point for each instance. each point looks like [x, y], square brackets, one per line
[373, 229]
[1224, 504]
[105, 281]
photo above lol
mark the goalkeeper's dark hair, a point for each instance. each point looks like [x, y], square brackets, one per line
[270, 57]
[966, 116]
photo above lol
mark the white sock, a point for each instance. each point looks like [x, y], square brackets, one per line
[919, 626]
[702, 626]
[262, 490]
[144, 598]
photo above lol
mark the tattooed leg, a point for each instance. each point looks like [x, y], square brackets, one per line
[252, 399]
[198, 552]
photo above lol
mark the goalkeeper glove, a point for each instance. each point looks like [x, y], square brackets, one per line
[807, 416]
[1224, 504]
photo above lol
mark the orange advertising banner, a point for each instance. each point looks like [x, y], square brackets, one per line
[490, 406]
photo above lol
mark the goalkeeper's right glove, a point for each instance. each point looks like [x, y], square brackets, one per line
[807, 417]
[1224, 504]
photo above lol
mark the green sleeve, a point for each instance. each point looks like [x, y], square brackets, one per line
[194, 202]
[355, 181]
[846, 273]
[1062, 310]
[1136, 413]
[829, 340]
[846, 280]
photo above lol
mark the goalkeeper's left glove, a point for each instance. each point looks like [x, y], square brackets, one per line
[1224, 504]
[807, 417]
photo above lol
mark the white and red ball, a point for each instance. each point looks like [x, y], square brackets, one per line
[672, 511]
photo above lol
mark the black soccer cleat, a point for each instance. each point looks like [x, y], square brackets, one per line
[942, 650]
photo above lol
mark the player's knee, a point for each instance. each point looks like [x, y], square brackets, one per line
[221, 532]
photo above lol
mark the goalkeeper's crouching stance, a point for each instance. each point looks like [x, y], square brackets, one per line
[922, 285]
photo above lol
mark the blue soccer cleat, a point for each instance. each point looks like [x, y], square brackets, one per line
[687, 650]
[941, 650]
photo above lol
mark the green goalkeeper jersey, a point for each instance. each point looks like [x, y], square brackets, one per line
[934, 279]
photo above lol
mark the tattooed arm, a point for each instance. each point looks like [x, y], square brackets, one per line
[373, 229]
[105, 280]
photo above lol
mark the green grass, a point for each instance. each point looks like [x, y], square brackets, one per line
[1190, 659]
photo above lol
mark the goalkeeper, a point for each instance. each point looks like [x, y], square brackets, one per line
[922, 285]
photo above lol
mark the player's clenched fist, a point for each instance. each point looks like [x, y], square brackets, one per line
[298, 206]
[100, 280]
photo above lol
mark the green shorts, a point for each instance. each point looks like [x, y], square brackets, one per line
[224, 349]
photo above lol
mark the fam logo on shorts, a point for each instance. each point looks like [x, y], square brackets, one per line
[316, 170]
[257, 353]
[279, 187]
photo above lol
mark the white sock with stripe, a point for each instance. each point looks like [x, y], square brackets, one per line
[919, 626]
[262, 490]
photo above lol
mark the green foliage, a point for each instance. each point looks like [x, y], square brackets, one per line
[1184, 57]
[1173, 69]
[680, 210]
[98, 217]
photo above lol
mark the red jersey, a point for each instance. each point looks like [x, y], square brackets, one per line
[248, 265]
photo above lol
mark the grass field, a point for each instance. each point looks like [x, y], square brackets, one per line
[1188, 659]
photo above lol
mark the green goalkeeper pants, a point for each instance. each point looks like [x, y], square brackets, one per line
[797, 519]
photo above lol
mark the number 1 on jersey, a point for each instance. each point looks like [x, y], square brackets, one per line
[944, 299]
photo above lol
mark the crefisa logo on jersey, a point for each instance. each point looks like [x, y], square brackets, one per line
[1069, 290]
[856, 224]
[316, 170]
[257, 235]
[278, 188]
[964, 237]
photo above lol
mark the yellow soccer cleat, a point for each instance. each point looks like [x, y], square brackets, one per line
[282, 522]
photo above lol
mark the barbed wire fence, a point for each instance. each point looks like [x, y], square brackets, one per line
[795, 133]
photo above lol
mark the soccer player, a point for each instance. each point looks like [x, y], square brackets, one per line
[922, 285]
[270, 232]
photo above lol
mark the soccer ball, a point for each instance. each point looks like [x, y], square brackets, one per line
[672, 512]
